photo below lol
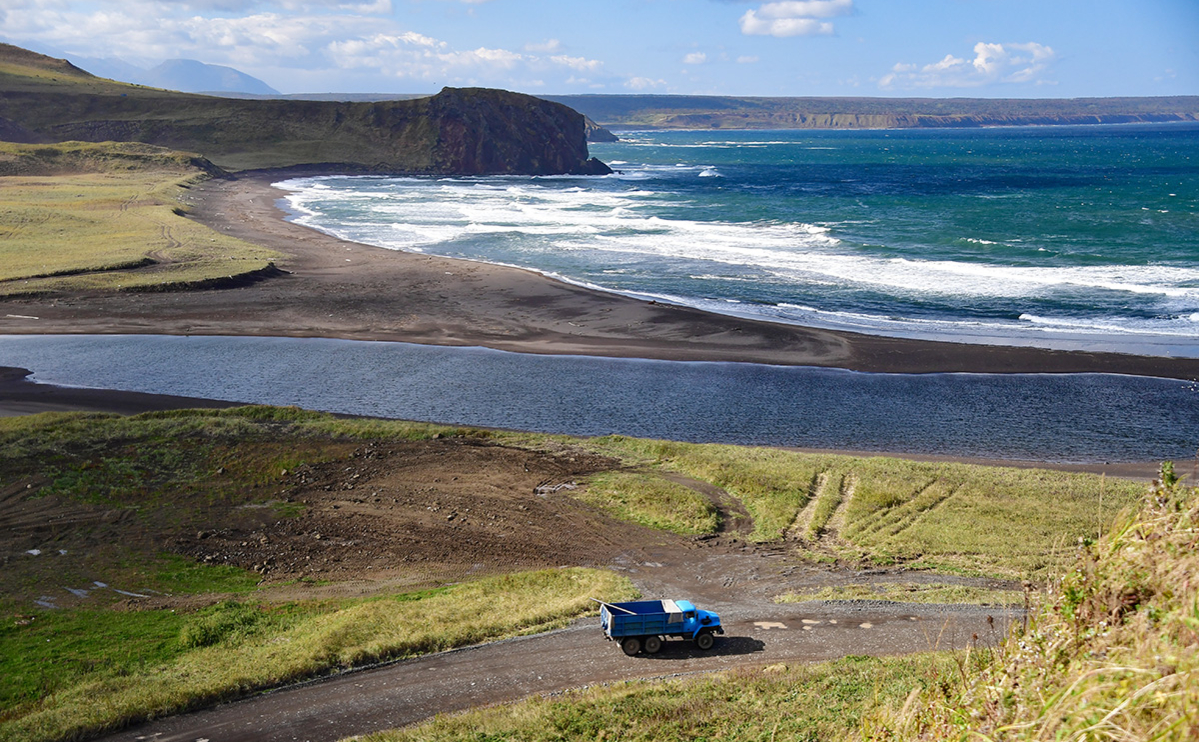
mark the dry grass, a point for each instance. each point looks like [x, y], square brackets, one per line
[1111, 652]
[779, 702]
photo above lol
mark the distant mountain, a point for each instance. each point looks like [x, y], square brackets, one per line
[190, 76]
[184, 75]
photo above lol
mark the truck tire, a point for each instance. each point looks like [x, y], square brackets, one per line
[652, 644]
[705, 640]
[631, 645]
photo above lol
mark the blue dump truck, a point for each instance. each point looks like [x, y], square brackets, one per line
[644, 624]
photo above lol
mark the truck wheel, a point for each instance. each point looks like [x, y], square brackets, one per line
[631, 646]
[652, 644]
[705, 641]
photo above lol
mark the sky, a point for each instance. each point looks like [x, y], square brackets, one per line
[892, 48]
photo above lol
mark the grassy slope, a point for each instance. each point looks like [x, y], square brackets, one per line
[1111, 652]
[948, 516]
[109, 670]
[79, 216]
[459, 131]
[149, 463]
[45, 93]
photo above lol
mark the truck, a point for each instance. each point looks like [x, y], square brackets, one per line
[643, 624]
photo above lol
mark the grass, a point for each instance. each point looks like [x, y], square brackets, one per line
[651, 500]
[951, 517]
[959, 518]
[772, 484]
[107, 217]
[779, 702]
[910, 592]
[75, 673]
[1109, 653]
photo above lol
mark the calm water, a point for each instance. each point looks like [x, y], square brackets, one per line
[1074, 237]
[1077, 417]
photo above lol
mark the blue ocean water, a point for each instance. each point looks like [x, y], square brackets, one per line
[1043, 417]
[1063, 237]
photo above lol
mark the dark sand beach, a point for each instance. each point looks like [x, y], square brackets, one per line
[331, 288]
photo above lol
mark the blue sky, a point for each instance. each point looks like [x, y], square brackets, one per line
[925, 48]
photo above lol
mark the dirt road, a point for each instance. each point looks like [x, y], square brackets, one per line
[734, 580]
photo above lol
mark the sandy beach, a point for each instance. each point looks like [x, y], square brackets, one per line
[336, 289]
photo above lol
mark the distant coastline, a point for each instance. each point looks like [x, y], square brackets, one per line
[624, 112]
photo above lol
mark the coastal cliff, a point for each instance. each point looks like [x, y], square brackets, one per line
[459, 131]
[730, 112]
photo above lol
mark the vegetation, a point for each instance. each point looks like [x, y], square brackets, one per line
[910, 592]
[1109, 652]
[802, 702]
[939, 515]
[78, 216]
[165, 467]
[73, 673]
[653, 501]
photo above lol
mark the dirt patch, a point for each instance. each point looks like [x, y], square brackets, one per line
[379, 515]
[431, 512]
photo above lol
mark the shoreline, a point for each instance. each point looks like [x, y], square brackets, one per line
[19, 396]
[332, 288]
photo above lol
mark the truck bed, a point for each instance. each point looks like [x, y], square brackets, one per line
[641, 618]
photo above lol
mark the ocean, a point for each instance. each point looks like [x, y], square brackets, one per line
[1062, 237]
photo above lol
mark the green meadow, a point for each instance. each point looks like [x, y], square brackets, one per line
[108, 217]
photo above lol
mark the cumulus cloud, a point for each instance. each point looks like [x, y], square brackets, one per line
[296, 40]
[794, 18]
[695, 58]
[581, 64]
[992, 63]
[643, 83]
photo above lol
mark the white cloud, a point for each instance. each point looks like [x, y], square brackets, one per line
[312, 41]
[794, 18]
[992, 63]
[580, 64]
[643, 83]
[545, 47]
[695, 58]
[747, 60]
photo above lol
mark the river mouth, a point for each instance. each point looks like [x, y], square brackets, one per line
[1064, 418]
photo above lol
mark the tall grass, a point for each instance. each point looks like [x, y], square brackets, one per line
[1110, 652]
